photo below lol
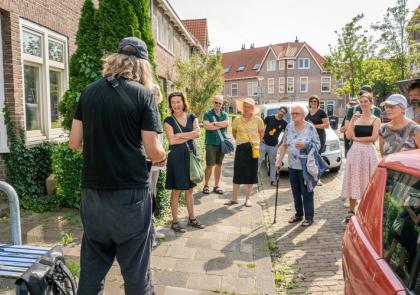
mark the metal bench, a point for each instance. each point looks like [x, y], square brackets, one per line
[16, 259]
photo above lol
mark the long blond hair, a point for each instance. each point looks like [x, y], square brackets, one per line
[129, 67]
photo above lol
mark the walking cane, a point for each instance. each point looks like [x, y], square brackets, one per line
[277, 194]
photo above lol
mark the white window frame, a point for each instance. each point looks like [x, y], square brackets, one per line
[46, 132]
[306, 83]
[270, 85]
[303, 67]
[252, 88]
[165, 33]
[326, 82]
[291, 63]
[232, 88]
[282, 64]
[271, 65]
[291, 83]
[3, 130]
[282, 85]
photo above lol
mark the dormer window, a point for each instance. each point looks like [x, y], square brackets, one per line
[227, 69]
[256, 67]
[241, 68]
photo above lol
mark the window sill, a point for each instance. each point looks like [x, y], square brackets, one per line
[165, 48]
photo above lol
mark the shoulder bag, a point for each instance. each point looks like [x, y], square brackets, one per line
[196, 171]
[226, 144]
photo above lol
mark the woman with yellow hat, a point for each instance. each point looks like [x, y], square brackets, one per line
[248, 130]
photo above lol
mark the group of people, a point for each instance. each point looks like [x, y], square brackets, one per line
[362, 128]
[117, 124]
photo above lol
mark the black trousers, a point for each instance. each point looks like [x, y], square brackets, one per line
[117, 224]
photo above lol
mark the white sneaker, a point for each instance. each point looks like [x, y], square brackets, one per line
[159, 235]
[320, 183]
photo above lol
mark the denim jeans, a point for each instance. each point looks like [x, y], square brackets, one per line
[271, 151]
[304, 200]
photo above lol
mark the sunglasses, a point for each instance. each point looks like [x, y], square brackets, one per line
[311, 101]
[218, 103]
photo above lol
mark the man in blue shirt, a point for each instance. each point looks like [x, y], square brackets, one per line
[215, 120]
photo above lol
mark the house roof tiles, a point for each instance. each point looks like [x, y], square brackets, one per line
[197, 27]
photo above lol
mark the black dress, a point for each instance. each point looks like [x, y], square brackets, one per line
[177, 167]
[317, 119]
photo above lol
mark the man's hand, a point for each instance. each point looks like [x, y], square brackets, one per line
[279, 164]
[300, 145]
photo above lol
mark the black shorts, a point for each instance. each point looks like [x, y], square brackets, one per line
[214, 155]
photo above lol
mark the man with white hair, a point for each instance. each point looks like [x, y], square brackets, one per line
[215, 120]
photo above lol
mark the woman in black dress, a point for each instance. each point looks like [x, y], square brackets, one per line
[319, 119]
[181, 129]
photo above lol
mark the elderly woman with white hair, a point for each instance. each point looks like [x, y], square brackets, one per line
[401, 133]
[297, 136]
[248, 130]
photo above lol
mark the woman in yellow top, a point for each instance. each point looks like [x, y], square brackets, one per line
[248, 130]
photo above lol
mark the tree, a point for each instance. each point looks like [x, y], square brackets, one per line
[346, 59]
[412, 29]
[379, 73]
[85, 63]
[142, 11]
[202, 78]
[117, 20]
[394, 38]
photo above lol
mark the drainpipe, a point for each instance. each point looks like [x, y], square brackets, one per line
[14, 212]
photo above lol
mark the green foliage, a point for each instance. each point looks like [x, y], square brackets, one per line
[394, 38]
[85, 63]
[117, 20]
[413, 27]
[392, 208]
[74, 267]
[346, 59]
[202, 77]
[162, 196]
[67, 239]
[67, 167]
[142, 10]
[27, 168]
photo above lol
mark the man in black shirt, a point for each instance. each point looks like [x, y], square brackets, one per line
[274, 125]
[117, 123]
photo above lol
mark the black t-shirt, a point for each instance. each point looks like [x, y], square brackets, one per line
[317, 119]
[273, 128]
[114, 156]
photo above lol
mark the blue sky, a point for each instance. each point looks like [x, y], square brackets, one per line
[262, 22]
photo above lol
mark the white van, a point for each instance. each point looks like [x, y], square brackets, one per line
[332, 154]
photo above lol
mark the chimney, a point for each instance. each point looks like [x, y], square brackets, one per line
[251, 46]
[243, 46]
[296, 40]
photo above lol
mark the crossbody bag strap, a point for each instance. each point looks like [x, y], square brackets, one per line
[116, 85]
[180, 130]
[405, 136]
[218, 131]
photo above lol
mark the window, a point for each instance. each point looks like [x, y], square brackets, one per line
[44, 80]
[185, 51]
[241, 68]
[303, 85]
[325, 84]
[165, 32]
[281, 85]
[271, 65]
[400, 228]
[303, 63]
[270, 87]
[281, 64]
[290, 84]
[256, 67]
[227, 69]
[234, 89]
[252, 88]
[290, 64]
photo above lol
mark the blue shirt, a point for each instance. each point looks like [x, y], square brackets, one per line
[291, 137]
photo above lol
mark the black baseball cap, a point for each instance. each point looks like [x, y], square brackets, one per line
[140, 48]
[365, 89]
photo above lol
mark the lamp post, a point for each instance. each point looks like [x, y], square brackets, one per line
[260, 79]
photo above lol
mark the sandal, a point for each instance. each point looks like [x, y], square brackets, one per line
[206, 190]
[230, 203]
[295, 218]
[307, 223]
[177, 227]
[349, 215]
[218, 190]
[248, 204]
[194, 223]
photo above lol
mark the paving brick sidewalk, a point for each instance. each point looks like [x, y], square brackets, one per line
[312, 254]
[230, 256]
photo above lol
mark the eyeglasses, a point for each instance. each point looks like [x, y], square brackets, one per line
[311, 101]
[296, 114]
[218, 103]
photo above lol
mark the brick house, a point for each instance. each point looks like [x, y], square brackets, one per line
[414, 46]
[289, 71]
[37, 37]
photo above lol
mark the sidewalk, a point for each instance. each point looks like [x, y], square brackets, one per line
[230, 256]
